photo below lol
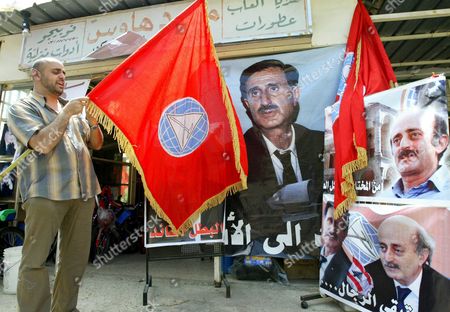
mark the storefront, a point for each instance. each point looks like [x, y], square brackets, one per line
[240, 29]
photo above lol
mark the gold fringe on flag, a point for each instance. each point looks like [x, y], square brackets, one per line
[348, 185]
[230, 113]
[127, 148]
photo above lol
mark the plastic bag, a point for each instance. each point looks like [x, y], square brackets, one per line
[258, 268]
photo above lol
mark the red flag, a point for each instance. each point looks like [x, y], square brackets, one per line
[169, 108]
[369, 71]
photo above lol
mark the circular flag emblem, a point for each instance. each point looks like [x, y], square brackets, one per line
[183, 127]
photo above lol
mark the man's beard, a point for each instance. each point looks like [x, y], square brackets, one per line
[52, 88]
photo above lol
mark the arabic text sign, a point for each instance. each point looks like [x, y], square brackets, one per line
[63, 42]
[146, 22]
[263, 18]
[208, 228]
[230, 21]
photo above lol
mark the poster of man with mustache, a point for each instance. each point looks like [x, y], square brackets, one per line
[382, 257]
[279, 100]
[407, 137]
[391, 253]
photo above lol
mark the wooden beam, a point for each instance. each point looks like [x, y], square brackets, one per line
[396, 17]
[421, 63]
[417, 75]
[416, 36]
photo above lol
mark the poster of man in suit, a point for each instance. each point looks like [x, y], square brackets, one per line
[278, 99]
[396, 258]
[396, 242]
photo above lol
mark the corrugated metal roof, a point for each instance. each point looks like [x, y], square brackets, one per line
[57, 10]
[412, 51]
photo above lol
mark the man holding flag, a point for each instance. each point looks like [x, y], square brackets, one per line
[57, 186]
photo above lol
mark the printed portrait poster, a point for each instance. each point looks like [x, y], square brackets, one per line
[280, 101]
[407, 145]
[376, 248]
[8, 142]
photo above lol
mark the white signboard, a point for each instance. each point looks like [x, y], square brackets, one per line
[262, 18]
[63, 42]
[230, 21]
[146, 22]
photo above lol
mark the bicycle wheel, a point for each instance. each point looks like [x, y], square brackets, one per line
[103, 242]
[10, 237]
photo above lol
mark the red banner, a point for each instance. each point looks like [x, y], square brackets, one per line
[369, 71]
[170, 110]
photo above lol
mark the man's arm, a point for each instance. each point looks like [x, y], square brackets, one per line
[45, 140]
[96, 135]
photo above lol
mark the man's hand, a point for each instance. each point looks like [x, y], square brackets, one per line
[45, 140]
[75, 106]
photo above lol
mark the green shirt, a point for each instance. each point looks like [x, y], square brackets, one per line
[64, 173]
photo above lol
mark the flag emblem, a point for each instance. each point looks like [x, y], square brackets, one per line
[183, 127]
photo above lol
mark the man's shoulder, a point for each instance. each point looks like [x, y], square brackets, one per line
[309, 144]
[252, 136]
[375, 267]
[443, 175]
[303, 131]
[307, 138]
[340, 259]
[251, 132]
[24, 102]
[437, 278]
[434, 290]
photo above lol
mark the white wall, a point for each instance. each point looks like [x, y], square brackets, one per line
[9, 60]
[331, 22]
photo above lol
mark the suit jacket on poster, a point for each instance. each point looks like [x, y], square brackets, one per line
[262, 182]
[336, 272]
[434, 288]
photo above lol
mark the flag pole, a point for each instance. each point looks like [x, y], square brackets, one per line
[15, 163]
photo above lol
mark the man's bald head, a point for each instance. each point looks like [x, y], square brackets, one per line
[48, 75]
[39, 64]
